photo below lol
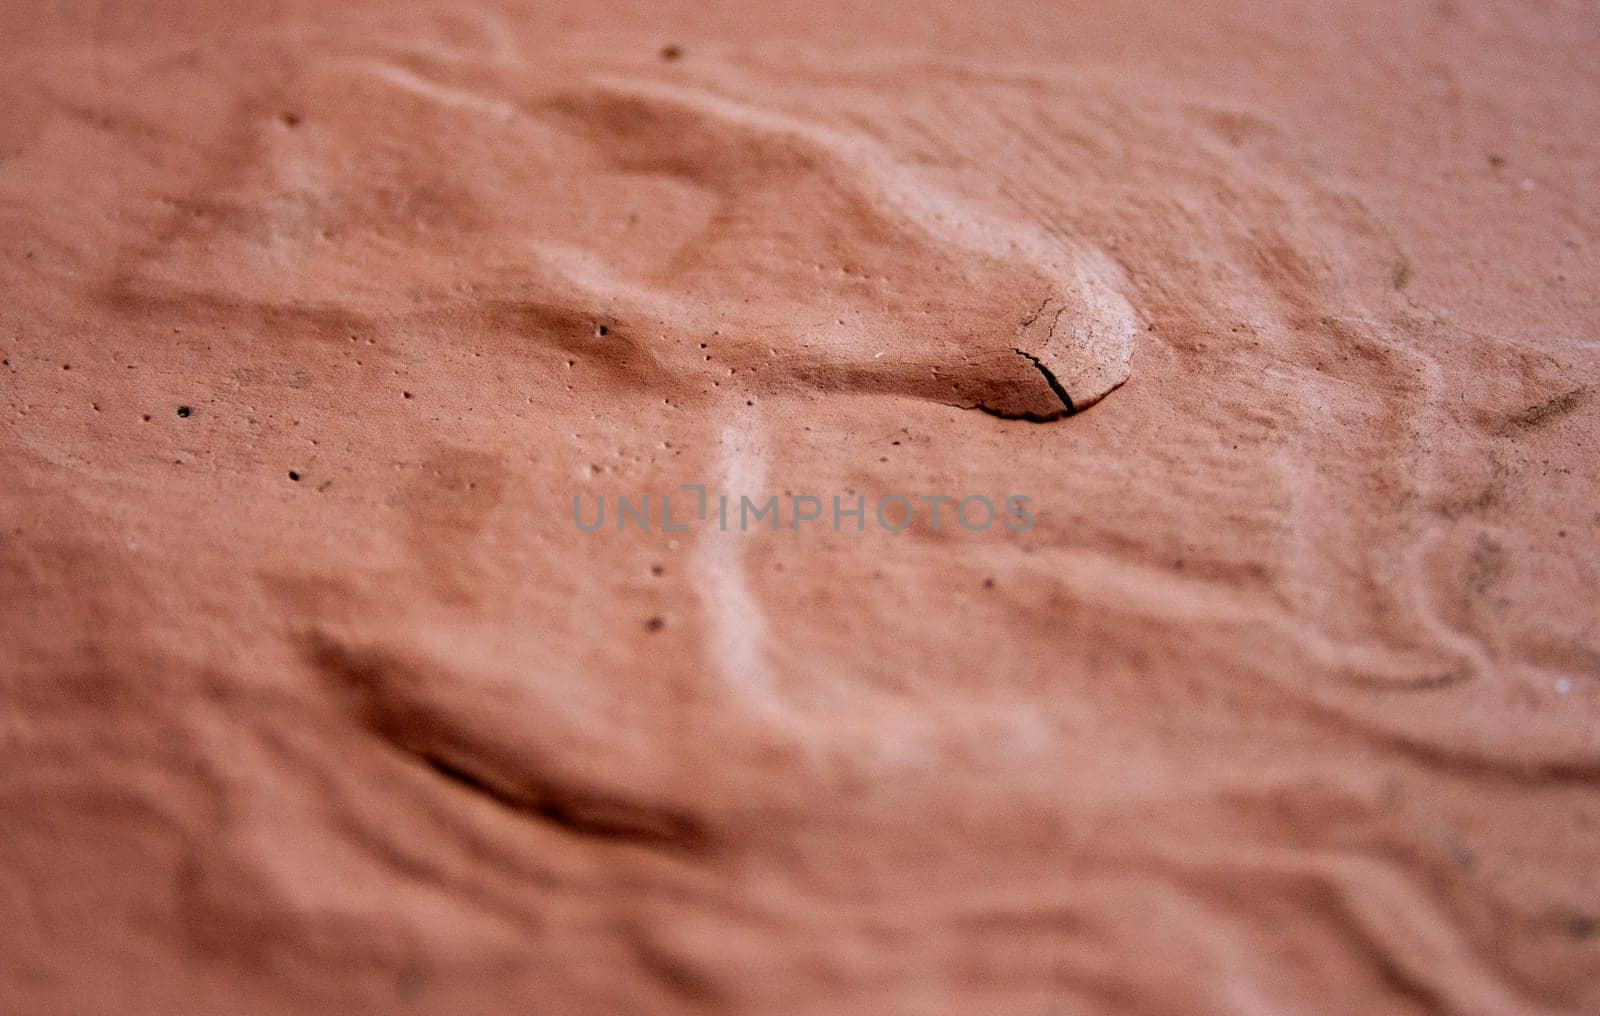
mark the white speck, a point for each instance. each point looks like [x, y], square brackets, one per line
[1528, 184]
[1564, 686]
[879, 354]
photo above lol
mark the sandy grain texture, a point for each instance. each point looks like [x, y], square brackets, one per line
[316, 318]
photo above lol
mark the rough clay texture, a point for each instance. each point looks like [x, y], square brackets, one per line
[317, 316]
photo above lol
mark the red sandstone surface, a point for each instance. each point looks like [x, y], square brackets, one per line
[1280, 692]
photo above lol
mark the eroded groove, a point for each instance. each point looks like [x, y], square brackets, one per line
[389, 699]
[581, 814]
[1003, 414]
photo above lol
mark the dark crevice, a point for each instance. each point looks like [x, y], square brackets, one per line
[1032, 415]
[1049, 379]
